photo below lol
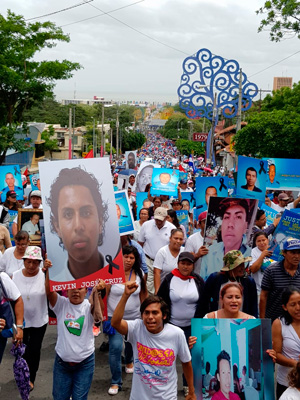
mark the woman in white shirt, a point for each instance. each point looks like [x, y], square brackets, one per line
[12, 259]
[30, 281]
[144, 216]
[133, 272]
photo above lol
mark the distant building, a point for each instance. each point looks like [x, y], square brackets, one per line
[280, 82]
[89, 102]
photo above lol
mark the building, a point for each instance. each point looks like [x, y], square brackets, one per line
[280, 82]
[89, 102]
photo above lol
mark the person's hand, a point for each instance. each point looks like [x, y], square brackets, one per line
[192, 341]
[2, 324]
[191, 397]
[272, 353]
[203, 251]
[47, 263]
[19, 336]
[100, 285]
[276, 221]
[130, 287]
[266, 253]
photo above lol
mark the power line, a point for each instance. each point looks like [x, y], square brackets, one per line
[278, 62]
[59, 11]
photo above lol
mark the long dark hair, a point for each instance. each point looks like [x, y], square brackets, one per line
[258, 233]
[173, 215]
[286, 294]
[137, 263]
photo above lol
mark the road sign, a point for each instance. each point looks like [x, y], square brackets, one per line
[200, 137]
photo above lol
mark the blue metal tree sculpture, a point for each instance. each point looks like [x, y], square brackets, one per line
[205, 74]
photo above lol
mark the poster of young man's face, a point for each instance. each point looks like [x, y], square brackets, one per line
[230, 361]
[81, 224]
[251, 178]
[208, 187]
[10, 179]
[131, 160]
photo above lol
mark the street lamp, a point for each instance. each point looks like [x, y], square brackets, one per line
[191, 129]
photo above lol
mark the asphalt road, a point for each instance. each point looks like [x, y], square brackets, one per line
[43, 383]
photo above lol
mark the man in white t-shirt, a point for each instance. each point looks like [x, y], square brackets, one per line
[156, 345]
[283, 204]
[194, 243]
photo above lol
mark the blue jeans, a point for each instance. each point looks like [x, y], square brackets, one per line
[115, 351]
[72, 380]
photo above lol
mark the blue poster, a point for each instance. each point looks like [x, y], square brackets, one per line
[12, 215]
[35, 182]
[232, 347]
[183, 218]
[10, 179]
[251, 178]
[283, 173]
[270, 213]
[231, 187]
[183, 175]
[164, 181]
[124, 213]
[207, 187]
[188, 200]
[288, 227]
[142, 201]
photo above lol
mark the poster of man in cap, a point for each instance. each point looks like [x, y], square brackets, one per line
[251, 178]
[10, 180]
[228, 227]
[81, 224]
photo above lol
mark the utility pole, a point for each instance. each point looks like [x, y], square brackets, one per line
[94, 147]
[239, 113]
[110, 156]
[117, 135]
[73, 130]
[102, 133]
[70, 134]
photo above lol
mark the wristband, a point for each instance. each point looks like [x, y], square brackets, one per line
[20, 327]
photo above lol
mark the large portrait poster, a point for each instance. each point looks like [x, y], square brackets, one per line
[228, 227]
[10, 179]
[164, 181]
[81, 224]
[131, 159]
[124, 213]
[207, 187]
[251, 178]
[288, 227]
[228, 351]
[144, 175]
[283, 173]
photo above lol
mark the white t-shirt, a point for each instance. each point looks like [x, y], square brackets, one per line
[30, 228]
[154, 355]
[137, 229]
[193, 244]
[258, 275]
[132, 308]
[154, 238]
[75, 339]
[165, 261]
[277, 207]
[34, 297]
[184, 297]
[11, 289]
[290, 394]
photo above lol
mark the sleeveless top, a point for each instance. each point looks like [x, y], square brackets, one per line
[216, 316]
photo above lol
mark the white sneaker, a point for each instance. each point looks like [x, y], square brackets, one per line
[113, 391]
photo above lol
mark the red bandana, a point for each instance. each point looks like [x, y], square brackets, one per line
[177, 273]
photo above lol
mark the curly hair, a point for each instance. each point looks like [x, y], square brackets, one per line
[77, 177]
[294, 376]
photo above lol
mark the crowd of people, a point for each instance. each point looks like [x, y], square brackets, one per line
[171, 276]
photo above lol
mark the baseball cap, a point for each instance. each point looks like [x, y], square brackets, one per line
[283, 196]
[233, 259]
[11, 193]
[36, 193]
[202, 216]
[291, 244]
[186, 255]
[230, 202]
[183, 181]
[174, 201]
[160, 213]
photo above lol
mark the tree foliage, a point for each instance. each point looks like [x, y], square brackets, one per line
[186, 147]
[282, 18]
[132, 141]
[50, 144]
[179, 126]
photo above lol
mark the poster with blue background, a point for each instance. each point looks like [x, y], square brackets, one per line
[142, 201]
[35, 182]
[269, 212]
[283, 173]
[241, 347]
[188, 200]
[210, 186]
[164, 181]
[124, 213]
[288, 227]
[183, 219]
[10, 179]
[251, 178]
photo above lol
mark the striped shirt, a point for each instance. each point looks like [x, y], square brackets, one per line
[275, 280]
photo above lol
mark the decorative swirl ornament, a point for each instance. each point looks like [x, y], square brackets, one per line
[205, 74]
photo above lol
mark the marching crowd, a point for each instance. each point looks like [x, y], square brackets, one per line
[171, 276]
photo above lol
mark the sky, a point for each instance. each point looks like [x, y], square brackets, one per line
[136, 50]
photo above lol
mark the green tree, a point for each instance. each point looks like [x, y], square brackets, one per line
[132, 141]
[283, 99]
[50, 143]
[270, 134]
[23, 80]
[282, 18]
[186, 147]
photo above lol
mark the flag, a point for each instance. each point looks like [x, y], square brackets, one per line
[90, 154]
[191, 163]
[181, 168]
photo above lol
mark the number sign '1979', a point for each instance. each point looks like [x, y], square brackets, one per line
[200, 137]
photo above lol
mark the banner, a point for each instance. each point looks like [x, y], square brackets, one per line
[124, 213]
[230, 350]
[164, 181]
[81, 224]
[289, 226]
[283, 173]
[251, 178]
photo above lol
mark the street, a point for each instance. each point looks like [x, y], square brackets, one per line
[43, 383]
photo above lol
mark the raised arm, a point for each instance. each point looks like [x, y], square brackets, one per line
[117, 320]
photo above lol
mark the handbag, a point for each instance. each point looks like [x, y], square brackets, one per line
[7, 313]
[107, 328]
